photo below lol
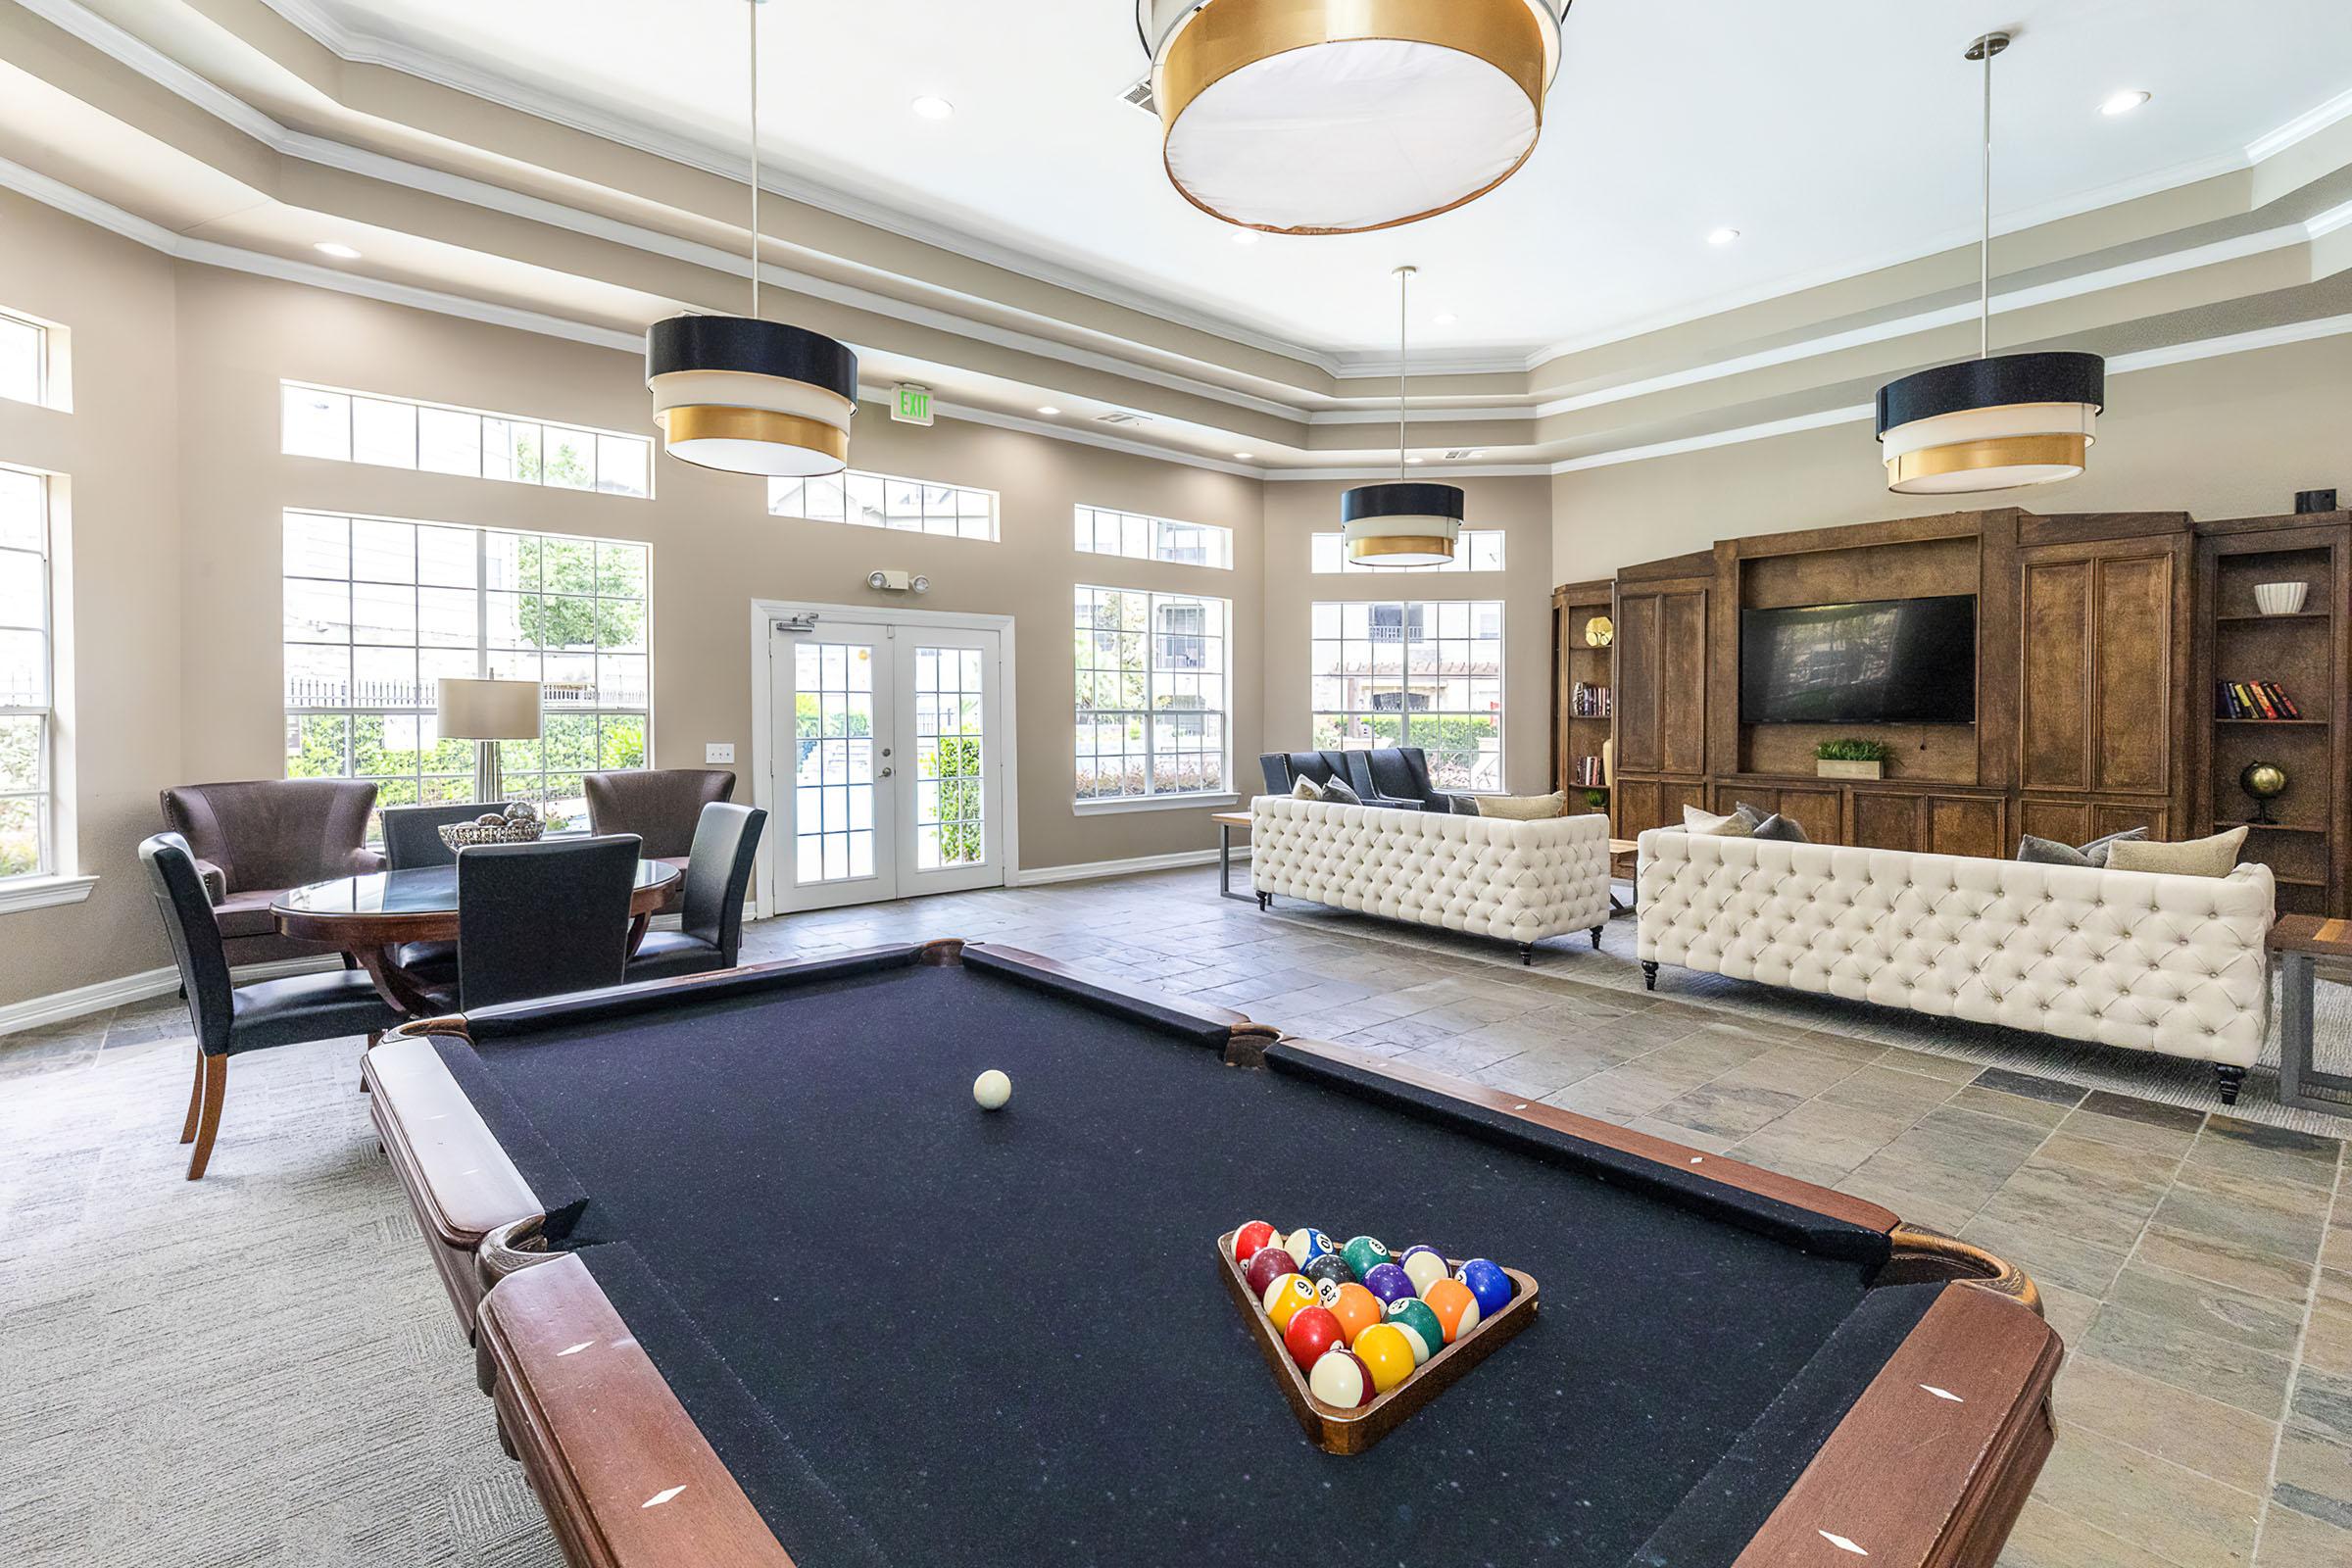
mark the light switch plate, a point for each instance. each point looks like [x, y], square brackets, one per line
[718, 752]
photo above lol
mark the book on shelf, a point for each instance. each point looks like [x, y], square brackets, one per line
[2254, 699]
[1588, 701]
[1585, 773]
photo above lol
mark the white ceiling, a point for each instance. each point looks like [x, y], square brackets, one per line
[1836, 146]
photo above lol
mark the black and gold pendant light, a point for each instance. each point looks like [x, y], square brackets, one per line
[747, 395]
[1996, 421]
[1334, 117]
[1401, 524]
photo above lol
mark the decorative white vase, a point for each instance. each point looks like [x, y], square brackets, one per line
[2280, 597]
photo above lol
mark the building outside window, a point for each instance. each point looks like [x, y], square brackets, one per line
[26, 738]
[1152, 693]
[377, 611]
[1426, 673]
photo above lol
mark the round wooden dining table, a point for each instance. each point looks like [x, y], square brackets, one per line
[373, 916]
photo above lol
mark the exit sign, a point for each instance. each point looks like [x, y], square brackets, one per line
[913, 406]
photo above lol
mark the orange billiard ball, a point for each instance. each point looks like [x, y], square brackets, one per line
[1356, 1308]
[1456, 1307]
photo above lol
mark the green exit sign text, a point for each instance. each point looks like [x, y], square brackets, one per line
[913, 405]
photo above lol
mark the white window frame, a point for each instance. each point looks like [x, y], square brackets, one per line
[1140, 536]
[51, 881]
[601, 442]
[1428, 613]
[44, 349]
[1085, 672]
[485, 660]
[787, 498]
[1326, 556]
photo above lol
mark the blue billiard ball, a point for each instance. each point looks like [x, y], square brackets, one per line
[1488, 1283]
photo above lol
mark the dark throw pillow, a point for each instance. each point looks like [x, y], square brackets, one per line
[1751, 815]
[2049, 851]
[1777, 827]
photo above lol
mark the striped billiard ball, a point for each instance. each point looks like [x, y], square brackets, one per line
[1420, 1325]
[1287, 1298]
[1456, 1307]
[1306, 1244]
[1424, 1264]
[1363, 1254]
[1339, 1379]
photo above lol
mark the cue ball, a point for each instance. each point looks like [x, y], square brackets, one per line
[991, 1089]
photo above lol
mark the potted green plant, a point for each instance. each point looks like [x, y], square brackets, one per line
[1852, 759]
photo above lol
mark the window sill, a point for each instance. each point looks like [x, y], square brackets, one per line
[1154, 802]
[40, 892]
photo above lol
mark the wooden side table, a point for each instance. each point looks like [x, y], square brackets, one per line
[1226, 822]
[1619, 848]
[2298, 939]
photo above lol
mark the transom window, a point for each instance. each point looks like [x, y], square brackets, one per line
[882, 501]
[23, 359]
[437, 438]
[1102, 531]
[24, 674]
[1477, 550]
[1426, 673]
[1151, 695]
[377, 611]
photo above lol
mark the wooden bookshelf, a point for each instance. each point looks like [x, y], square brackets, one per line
[1577, 664]
[2307, 653]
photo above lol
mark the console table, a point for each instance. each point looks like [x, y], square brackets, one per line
[2298, 939]
[1226, 822]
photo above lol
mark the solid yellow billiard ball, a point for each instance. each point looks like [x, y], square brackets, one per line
[991, 1089]
[1387, 1354]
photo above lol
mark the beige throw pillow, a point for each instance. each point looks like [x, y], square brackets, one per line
[1707, 824]
[2213, 857]
[1523, 808]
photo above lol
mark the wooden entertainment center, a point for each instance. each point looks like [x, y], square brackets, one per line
[2101, 640]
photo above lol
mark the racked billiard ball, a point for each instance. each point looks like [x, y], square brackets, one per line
[1363, 1254]
[1306, 1244]
[1424, 1264]
[1390, 1282]
[1332, 1267]
[1287, 1298]
[1356, 1308]
[1266, 1266]
[1250, 1238]
[1313, 1332]
[1388, 1354]
[1339, 1379]
[1456, 1307]
[1488, 1283]
[1419, 1325]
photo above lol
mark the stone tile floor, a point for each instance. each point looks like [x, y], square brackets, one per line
[2198, 1265]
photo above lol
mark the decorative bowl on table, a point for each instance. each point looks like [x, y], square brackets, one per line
[519, 824]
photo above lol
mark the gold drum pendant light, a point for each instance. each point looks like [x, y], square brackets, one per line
[1996, 421]
[1401, 524]
[747, 395]
[1334, 117]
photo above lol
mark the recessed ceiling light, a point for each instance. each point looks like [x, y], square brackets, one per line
[2122, 102]
[1445, 318]
[1047, 409]
[1416, 462]
[1244, 237]
[340, 252]
[931, 107]
[1243, 456]
[1723, 236]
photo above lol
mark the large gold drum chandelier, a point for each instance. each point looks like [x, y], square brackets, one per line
[1334, 117]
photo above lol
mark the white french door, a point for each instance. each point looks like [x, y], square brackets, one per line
[887, 744]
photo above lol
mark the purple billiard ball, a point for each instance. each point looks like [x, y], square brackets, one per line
[1390, 1282]
[1488, 1283]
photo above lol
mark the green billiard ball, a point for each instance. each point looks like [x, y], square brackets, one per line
[1363, 1256]
[1421, 1326]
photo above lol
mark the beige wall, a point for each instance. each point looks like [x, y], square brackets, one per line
[2230, 437]
[180, 487]
[1521, 508]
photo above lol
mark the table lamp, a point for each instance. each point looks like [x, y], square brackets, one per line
[485, 713]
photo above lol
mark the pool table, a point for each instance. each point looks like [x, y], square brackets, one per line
[753, 1281]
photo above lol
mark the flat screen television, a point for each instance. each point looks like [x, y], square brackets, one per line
[1885, 662]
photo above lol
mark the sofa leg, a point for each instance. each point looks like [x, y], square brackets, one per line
[2232, 1078]
[1596, 933]
[1527, 952]
[1649, 974]
[1265, 901]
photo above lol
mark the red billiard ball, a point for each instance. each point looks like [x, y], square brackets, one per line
[1266, 1266]
[1313, 1332]
[1339, 1379]
[1250, 1238]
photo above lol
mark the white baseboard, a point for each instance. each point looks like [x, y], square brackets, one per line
[81, 1000]
[1032, 876]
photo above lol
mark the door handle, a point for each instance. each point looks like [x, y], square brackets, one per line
[887, 770]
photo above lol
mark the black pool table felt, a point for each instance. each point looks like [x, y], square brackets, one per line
[920, 1333]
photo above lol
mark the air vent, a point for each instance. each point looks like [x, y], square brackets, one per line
[1122, 416]
[1140, 96]
[1463, 454]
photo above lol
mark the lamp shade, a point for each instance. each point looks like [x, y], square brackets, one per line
[1401, 524]
[488, 709]
[752, 395]
[1334, 117]
[1996, 424]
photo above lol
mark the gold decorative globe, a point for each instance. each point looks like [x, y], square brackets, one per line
[2263, 782]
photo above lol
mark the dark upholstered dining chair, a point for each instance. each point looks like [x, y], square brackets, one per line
[1398, 777]
[1284, 769]
[718, 873]
[540, 919]
[661, 806]
[413, 833]
[254, 839]
[228, 1018]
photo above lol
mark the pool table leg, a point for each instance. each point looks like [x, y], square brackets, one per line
[1649, 974]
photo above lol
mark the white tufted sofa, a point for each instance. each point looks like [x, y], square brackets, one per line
[1520, 881]
[2131, 958]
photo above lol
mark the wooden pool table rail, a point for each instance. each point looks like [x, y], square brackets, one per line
[1929, 1468]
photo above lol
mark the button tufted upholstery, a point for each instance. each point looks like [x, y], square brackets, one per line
[1521, 881]
[2131, 958]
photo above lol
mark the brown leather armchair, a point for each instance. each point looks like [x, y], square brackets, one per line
[661, 806]
[256, 838]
